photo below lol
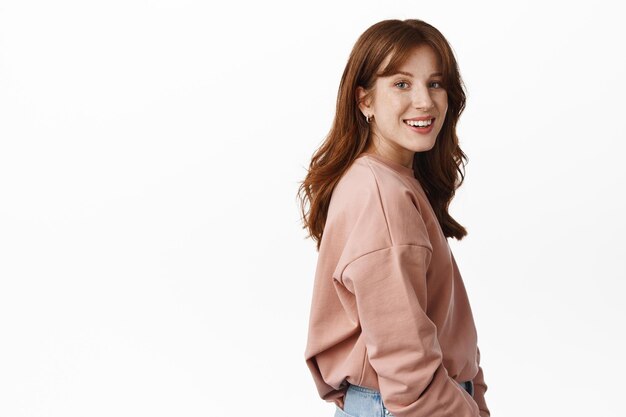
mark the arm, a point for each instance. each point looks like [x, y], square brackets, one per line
[479, 390]
[402, 346]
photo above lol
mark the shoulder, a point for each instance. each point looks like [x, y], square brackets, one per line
[369, 183]
[371, 194]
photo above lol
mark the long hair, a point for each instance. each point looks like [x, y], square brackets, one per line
[437, 169]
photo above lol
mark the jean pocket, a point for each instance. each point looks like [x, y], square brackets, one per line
[340, 413]
[387, 412]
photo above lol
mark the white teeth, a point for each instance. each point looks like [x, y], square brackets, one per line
[420, 123]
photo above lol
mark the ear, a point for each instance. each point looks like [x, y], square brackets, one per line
[363, 101]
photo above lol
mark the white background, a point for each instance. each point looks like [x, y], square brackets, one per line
[152, 260]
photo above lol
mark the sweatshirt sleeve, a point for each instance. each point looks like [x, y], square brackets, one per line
[390, 291]
[480, 388]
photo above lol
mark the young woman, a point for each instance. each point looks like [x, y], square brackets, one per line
[391, 330]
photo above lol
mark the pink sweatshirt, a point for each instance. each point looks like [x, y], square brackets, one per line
[389, 309]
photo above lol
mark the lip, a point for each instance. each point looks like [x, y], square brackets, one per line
[422, 118]
[422, 130]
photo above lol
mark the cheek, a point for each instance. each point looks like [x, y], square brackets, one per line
[388, 96]
[442, 106]
[392, 105]
[444, 102]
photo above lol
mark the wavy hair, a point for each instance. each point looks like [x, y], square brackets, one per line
[440, 170]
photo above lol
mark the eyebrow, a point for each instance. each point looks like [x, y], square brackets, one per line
[411, 75]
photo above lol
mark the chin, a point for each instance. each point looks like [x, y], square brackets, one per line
[425, 147]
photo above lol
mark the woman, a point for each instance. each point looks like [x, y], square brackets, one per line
[391, 329]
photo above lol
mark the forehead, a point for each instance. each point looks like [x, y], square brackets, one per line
[418, 59]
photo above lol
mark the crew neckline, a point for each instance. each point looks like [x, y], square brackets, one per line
[391, 164]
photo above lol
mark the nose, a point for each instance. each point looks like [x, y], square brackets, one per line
[422, 98]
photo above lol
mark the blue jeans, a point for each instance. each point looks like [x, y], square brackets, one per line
[366, 402]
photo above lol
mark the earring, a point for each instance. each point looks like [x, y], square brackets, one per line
[369, 117]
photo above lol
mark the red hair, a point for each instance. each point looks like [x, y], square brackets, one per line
[439, 170]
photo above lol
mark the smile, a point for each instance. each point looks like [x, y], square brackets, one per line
[420, 123]
[422, 126]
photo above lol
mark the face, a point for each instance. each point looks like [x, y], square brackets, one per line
[414, 92]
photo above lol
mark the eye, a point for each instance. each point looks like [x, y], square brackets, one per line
[401, 82]
[439, 83]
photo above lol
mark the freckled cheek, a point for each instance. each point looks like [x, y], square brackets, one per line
[398, 104]
[442, 104]
[392, 107]
[443, 101]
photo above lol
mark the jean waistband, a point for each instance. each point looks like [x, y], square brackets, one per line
[467, 385]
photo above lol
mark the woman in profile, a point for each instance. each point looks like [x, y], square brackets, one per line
[391, 330]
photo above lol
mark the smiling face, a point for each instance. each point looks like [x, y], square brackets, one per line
[416, 91]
